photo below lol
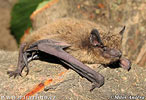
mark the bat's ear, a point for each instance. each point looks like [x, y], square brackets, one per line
[122, 31]
[95, 39]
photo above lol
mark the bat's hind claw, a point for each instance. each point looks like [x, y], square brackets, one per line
[14, 73]
[27, 70]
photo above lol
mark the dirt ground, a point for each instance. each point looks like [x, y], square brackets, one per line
[7, 41]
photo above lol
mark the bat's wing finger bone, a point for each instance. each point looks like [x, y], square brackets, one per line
[76, 65]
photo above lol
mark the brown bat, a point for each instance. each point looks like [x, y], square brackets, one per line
[72, 42]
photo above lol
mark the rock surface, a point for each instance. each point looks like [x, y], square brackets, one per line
[118, 82]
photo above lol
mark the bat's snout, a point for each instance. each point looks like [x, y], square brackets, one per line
[111, 53]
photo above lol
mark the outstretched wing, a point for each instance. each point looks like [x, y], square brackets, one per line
[56, 49]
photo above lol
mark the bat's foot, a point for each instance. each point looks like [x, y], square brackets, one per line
[14, 73]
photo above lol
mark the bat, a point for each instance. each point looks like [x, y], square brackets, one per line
[73, 42]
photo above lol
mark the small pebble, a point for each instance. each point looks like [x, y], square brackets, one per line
[122, 90]
[124, 78]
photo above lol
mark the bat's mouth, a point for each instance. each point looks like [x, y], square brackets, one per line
[116, 57]
[125, 63]
[122, 62]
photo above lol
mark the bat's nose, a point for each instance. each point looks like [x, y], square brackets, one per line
[112, 53]
[115, 53]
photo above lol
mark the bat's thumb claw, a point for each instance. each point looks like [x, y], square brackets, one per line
[94, 86]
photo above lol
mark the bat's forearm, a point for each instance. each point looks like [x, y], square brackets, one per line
[74, 64]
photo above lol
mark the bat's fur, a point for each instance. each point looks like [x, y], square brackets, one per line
[76, 33]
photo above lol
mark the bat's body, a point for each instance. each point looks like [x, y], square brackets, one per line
[77, 33]
[73, 41]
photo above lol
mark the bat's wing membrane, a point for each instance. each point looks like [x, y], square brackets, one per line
[56, 49]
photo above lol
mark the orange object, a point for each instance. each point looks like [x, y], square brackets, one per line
[100, 5]
[60, 74]
[37, 89]
[26, 33]
[78, 6]
[41, 86]
[48, 5]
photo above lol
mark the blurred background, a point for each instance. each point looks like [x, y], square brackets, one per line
[7, 41]
[19, 17]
